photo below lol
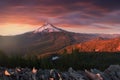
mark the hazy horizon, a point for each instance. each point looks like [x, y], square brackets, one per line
[18, 30]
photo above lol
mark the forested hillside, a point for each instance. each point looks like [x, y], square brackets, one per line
[77, 60]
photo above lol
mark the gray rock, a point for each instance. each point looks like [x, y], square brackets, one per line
[75, 75]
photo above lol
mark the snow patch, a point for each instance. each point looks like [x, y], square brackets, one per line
[48, 28]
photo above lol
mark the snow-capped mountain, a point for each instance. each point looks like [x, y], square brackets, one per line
[48, 28]
[53, 40]
[50, 42]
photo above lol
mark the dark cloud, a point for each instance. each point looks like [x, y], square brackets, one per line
[108, 4]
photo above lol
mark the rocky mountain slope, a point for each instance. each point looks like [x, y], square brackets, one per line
[46, 39]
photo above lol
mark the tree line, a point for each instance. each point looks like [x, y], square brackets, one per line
[77, 60]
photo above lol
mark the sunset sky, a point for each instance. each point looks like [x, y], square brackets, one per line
[84, 16]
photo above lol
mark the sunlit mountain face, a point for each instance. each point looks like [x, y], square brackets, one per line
[83, 16]
[49, 39]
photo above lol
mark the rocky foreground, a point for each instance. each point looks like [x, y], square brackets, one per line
[111, 73]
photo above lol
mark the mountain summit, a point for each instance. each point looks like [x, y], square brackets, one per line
[48, 28]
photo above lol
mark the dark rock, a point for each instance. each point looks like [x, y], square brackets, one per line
[111, 73]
